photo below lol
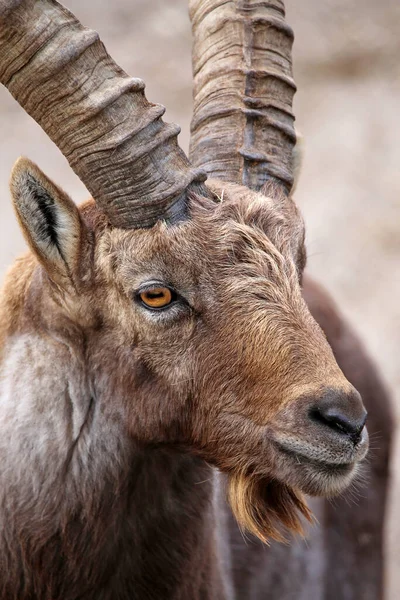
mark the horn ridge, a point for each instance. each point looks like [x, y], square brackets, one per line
[114, 139]
[243, 125]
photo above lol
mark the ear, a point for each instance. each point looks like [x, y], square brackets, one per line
[50, 221]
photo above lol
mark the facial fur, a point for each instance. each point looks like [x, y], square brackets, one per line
[228, 370]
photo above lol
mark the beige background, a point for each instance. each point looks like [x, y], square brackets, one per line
[347, 67]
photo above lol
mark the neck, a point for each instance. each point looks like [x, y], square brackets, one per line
[85, 511]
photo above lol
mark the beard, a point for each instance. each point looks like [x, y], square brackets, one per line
[266, 507]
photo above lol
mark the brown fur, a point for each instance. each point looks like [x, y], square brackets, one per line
[342, 557]
[114, 409]
[262, 507]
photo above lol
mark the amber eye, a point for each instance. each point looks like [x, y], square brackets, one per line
[157, 297]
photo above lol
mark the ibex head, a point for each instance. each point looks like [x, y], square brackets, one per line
[185, 300]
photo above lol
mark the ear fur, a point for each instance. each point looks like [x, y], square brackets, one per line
[49, 220]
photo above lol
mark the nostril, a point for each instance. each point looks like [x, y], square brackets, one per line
[340, 422]
[344, 418]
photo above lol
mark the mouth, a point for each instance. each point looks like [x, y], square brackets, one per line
[319, 469]
[324, 467]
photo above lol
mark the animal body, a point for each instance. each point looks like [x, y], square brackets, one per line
[150, 337]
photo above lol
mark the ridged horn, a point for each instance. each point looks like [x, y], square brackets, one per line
[113, 138]
[243, 125]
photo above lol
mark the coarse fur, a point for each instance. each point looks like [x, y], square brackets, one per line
[113, 417]
[114, 414]
[343, 555]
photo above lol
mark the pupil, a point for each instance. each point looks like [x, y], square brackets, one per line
[155, 295]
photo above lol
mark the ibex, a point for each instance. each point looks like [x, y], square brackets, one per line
[159, 332]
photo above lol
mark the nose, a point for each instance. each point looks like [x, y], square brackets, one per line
[342, 412]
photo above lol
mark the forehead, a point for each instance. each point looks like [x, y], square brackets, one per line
[236, 228]
[162, 251]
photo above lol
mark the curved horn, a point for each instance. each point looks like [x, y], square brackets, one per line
[113, 138]
[242, 128]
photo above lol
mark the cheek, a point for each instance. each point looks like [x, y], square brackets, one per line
[254, 403]
[236, 378]
[160, 405]
[155, 407]
[169, 352]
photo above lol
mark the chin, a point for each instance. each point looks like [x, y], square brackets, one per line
[319, 470]
[268, 498]
[317, 478]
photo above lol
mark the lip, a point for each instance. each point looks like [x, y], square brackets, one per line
[321, 466]
[331, 452]
[331, 468]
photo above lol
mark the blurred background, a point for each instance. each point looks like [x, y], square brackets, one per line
[347, 68]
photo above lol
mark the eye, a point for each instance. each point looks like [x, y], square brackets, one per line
[157, 298]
